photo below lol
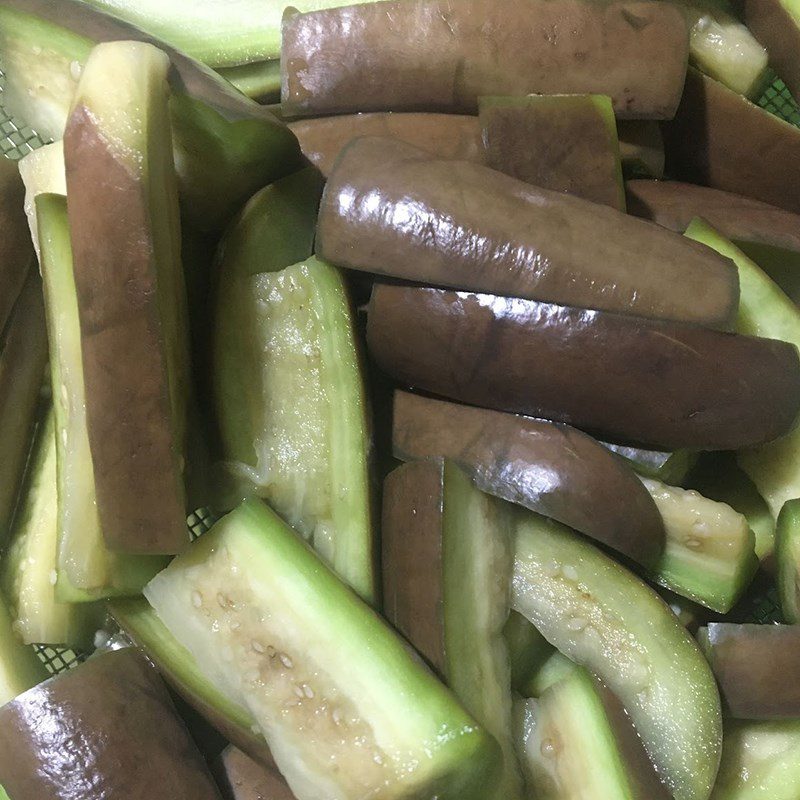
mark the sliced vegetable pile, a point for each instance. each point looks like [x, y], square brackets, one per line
[477, 351]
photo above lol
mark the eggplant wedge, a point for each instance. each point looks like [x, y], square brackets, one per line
[591, 369]
[455, 137]
[720, 139]
[265, 621]
[42, 172]
[391, 209]
[668, 467]
[776, 23]
[787, 557]
[550, 468]
[766, 234]
[241, 778]
[260, 81]
[755, 667]
[20, 667]
[760, 761]
[23, 360]
[439, 535]
[565, 143]
[764, 310]
[15, 246]
[435, 56]
[125, 233]
[226, 146]
[104, 729]
[607, 620]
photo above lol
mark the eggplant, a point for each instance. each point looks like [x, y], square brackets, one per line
[566, 143]
[16, 253]
[241, 778]
[125, 234]
[434, 55]
[641, 147]
[654, 383]
[787, 557]
[776, 24]
[550, 468]
[756, 667]
[455, 137]
[392, 209]
[106, 730]
[720, 139]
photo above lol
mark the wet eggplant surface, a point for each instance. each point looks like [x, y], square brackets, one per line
[660, 384]
[548, 467]
[391, 209]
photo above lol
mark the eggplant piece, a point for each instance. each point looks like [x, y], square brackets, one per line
[86, 569]
[668, 467]
[241, 778]
[28, 567]
[553, 469]
[125, 233]
[106, 729]
[755, 667]
[42, 172]
[768, 235]
[710, 550]
[15, 247]
[576, 743]
[527, 649]
[607, 620]
[721, 140]
[760, 761]
[20, 667]
[776, 23]
[553, 669]
[286, 345]
[266, 622]
[260, 81]
[226, 146]
[656, 383]
[434, 56]
[787, 558]
[565, 143]
[392, 209]
[23, 359]
[439, 535]
[764, 310]
[455, 137]
[641, 148]
[725, 49]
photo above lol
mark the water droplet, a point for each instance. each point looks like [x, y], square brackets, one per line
[53, 577]
[548, 747]
[75, 70]
[570, 573]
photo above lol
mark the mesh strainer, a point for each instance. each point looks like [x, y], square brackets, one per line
[17, 140]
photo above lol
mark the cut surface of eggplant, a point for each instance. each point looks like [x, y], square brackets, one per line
[392, 209]
[373, 57]
[267, 624]
[720, 139]
[440, 535]
[125, 234]
[20, 667]
[710, 550]
[606, 619]
[591, 369]
[565, 143]
[292, 406]
[755, 667]
[550, 468]
[106, 729]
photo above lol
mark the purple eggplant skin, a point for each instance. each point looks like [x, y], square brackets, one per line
[241, 778]
[392, 209]
[756, 667]
[106, 730]
[16, 251]
[434, 55]
[455, 137]
[657, 384]
[772, 24]
[553, 469]
[720, 139]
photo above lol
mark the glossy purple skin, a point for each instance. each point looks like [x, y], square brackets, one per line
[659, 384]
[106, 730]
[392, 209]
[756, 667]
[550, 468]
[435, 55]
